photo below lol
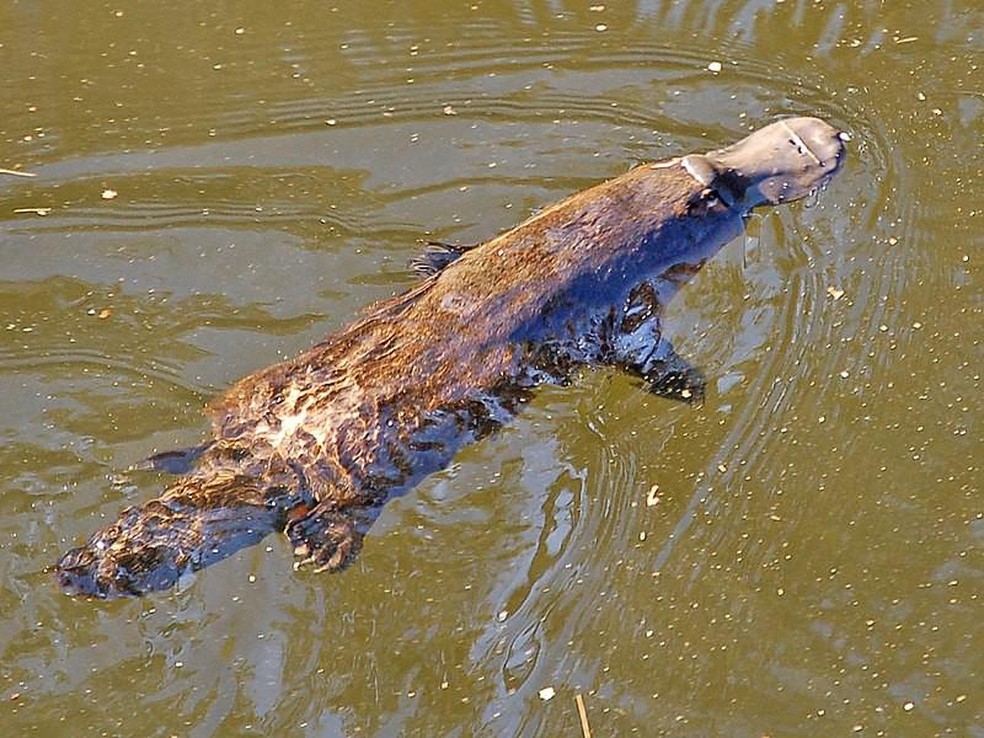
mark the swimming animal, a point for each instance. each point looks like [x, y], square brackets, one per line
[314, 446]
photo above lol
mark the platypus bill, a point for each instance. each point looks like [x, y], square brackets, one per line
[314, 446]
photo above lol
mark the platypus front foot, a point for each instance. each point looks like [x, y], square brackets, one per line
[327, 539]
[671, 376]
[676, 382]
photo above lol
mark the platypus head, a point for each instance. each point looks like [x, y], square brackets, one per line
[782, 162]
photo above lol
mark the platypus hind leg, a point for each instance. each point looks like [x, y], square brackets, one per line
[329, 539]
[438, 255]
[180, 461]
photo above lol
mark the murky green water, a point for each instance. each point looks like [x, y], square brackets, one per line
[812, 565]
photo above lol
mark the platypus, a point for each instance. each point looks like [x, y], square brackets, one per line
[314, 446]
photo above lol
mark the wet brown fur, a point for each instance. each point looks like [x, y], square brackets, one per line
[437, 345]
[315, 445]
[338, 429]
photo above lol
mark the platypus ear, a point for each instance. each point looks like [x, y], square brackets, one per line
[436, 256]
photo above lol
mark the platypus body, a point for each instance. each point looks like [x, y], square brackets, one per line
[314, 446]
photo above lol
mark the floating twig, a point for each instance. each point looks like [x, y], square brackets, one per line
[583, 714]
[16, 173]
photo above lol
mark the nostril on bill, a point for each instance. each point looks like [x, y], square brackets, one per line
[816, 139]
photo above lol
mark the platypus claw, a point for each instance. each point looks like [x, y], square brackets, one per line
[328, 540]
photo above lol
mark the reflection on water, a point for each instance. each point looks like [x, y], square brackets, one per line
[805, 562]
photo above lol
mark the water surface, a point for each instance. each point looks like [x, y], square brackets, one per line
[218, 186]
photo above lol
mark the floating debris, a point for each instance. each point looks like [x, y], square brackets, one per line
[17, 173]
[582, 714]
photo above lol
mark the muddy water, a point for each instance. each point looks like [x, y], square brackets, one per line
[219, 185]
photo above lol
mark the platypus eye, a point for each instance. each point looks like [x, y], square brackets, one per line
[708, 199]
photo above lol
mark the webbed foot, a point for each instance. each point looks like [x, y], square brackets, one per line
[180, 461]
[327, 539]
[436, 256]
[684, 383]
[671, 376]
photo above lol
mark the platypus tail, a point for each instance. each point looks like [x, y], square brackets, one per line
[200, 519]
